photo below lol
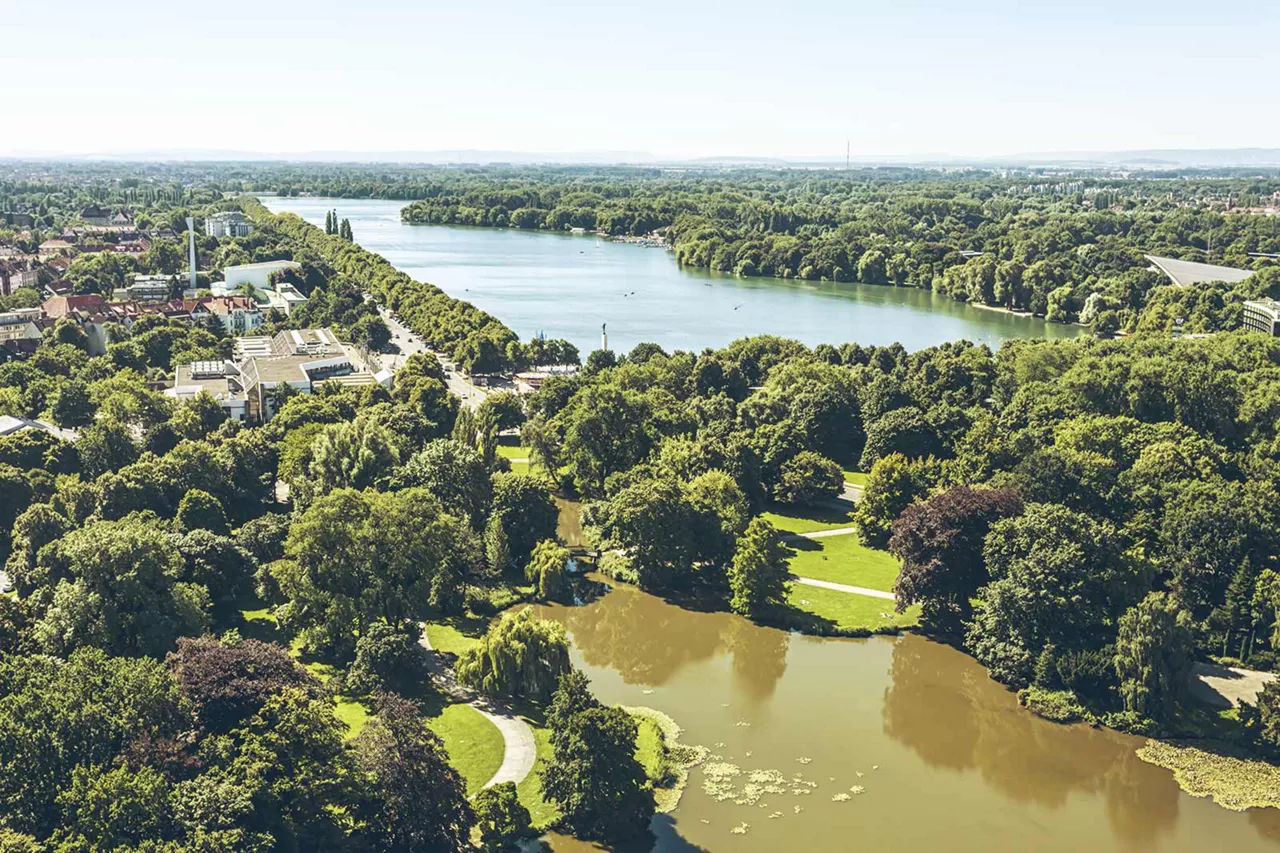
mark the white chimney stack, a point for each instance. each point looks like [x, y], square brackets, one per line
[191, 240]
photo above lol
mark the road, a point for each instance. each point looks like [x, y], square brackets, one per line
[410, 344]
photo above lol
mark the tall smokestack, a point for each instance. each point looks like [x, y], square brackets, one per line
[191, 240]
[604, 337]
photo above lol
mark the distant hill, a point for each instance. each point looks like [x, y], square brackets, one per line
[1154, 158]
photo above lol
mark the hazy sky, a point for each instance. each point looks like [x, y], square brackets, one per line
[687, 78]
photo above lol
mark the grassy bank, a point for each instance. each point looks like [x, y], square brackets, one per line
[665, 759]
[846, 612]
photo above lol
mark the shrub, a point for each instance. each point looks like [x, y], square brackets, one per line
[501, 817]
[807, 479]
[385, 659]
[1060, 706]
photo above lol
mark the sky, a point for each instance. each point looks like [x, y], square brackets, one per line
[671, 79]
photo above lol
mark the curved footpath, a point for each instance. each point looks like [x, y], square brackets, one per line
[838, 587]
[519, 749]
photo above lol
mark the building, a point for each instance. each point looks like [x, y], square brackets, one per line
[1262, 315]
[151, 288]
[283, 298]
[531, 381]
[18, 220]
[237, 314]
[49, 248]
[259, 275]
[16, 274]
[1183, 273]
[299, 358]
[95, 215]
[125, 312]
[219, 379]
[230, 223]
[22, 324]
[90, 310]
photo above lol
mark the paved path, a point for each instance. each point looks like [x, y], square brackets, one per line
[1224, 687]
[844, 587]
[822, 534]
[851, 492]
[520, 751]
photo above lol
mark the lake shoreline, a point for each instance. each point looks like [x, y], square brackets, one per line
[571, 290]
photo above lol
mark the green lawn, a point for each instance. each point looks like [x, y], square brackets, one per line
[848, 610]
[530, 790]
[808, 520]
[353, 713]
[456, 635]
[858, 478]
[844, 559]
[512, 451]
[474, 744]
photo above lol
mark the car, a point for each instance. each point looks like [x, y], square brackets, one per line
[6, 585]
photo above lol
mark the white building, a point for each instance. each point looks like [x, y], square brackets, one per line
[19, 324]
[230, 223]
[16, 274]
[236, 314]
[259, 275]
[284, 298]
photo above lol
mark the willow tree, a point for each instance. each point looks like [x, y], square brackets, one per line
[520, 657]
[546, 570]
[1153, 655]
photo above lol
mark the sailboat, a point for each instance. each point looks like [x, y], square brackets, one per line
[597, 242]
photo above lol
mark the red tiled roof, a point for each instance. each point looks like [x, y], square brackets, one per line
[61, 306]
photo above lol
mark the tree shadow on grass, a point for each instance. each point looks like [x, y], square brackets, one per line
[835, 511]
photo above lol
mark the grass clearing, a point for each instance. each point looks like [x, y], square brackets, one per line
[792, 519]
[474, 744]
[844, 559]
[858, 478]
[849, 611]
[456, 636]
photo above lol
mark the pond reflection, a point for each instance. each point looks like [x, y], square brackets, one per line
[947, 758]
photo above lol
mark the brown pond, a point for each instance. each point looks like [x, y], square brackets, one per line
[948, 760]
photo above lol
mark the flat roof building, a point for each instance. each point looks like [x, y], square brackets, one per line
[299, 358]
[1183, 273]
[259, 275]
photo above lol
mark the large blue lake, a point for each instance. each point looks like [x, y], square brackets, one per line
[567, 286]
